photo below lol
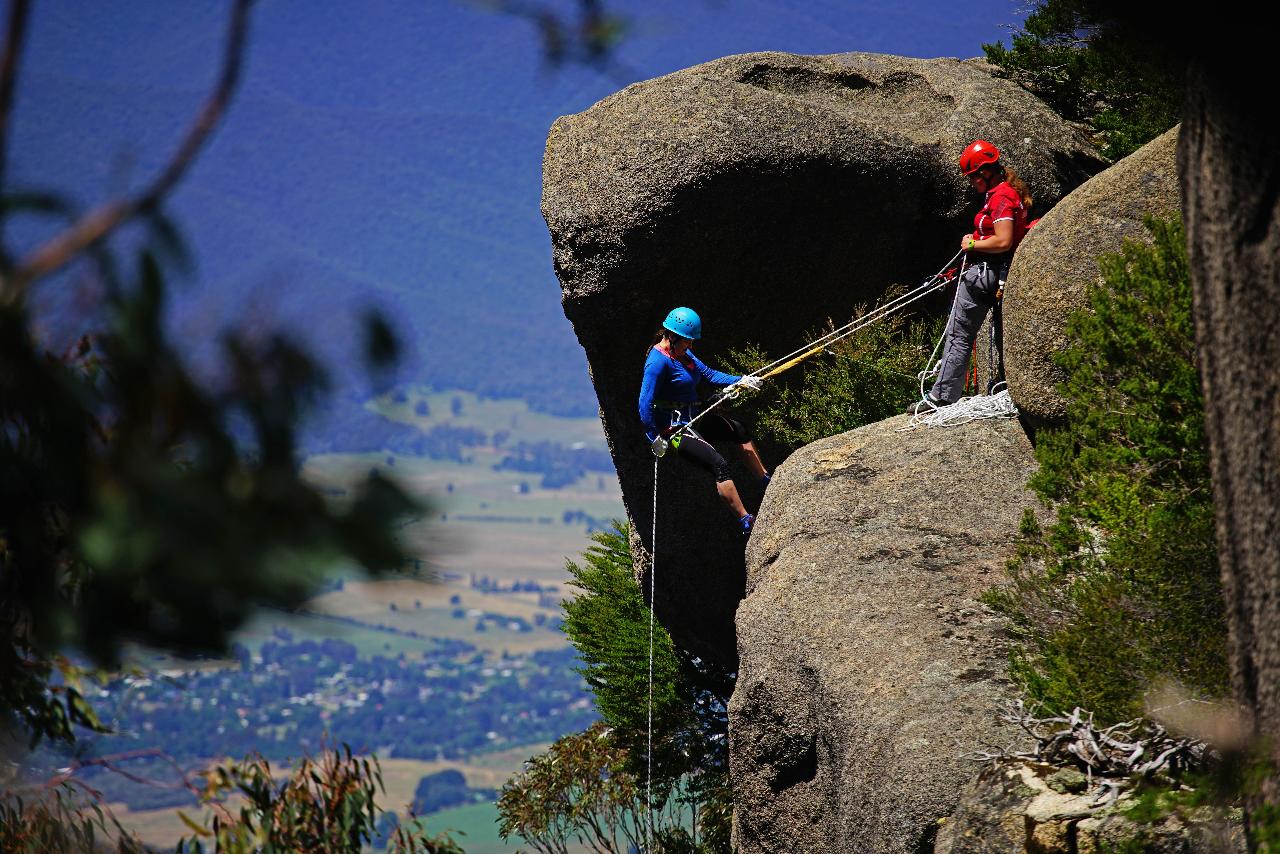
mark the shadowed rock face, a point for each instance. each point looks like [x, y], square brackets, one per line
[768, 192]
[1058, 260]
[867, 664]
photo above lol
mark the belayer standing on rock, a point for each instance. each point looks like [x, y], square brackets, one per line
[669, 395]
[997, 230]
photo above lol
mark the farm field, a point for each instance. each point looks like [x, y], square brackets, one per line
[499, 523]
[491, 550]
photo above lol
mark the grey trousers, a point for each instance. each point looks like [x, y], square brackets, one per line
[975, 296]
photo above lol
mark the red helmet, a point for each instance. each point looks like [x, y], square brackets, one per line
[979, 153]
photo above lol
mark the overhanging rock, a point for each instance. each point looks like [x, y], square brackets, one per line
[769, 192]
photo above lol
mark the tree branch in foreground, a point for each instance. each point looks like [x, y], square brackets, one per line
[15, 35]
[103, 220]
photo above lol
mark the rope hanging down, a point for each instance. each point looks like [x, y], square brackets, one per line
[936, 281]
[653, 574]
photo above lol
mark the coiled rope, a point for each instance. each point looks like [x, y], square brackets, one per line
[998, 404]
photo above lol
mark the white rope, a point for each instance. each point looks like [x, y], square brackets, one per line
[977, 407]
[653, 604]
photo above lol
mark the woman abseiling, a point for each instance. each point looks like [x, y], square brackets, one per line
[997, 230]
[669, 395]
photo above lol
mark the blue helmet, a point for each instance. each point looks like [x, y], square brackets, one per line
[684, 322]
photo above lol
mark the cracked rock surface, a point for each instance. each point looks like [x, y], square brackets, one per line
[867, 664]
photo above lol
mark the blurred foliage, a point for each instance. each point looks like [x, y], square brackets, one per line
[143, 503]
[1072, 55]
[867, 377]
[324, 804]
[608, 623]
[582, 32]
[1123, 588]
[63, 818]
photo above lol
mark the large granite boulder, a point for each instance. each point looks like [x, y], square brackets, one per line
[868, 665]
[1058, 260]
[769, 192]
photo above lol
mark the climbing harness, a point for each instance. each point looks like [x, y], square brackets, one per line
[938, 280]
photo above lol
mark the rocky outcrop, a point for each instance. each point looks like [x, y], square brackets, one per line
[769, 192]
[1018, 807]
[1058, 260]
[867, 664]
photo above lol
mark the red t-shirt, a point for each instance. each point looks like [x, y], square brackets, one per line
[1003, 202]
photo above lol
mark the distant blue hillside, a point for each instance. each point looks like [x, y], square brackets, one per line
[385, 154]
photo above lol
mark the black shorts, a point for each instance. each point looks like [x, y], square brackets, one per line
[714, 428]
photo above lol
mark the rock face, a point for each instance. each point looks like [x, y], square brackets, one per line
[867, 664]
[1019, 807]
[1058, 260]
[768, 192]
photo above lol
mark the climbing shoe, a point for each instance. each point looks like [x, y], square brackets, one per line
[924, 407]
[747, 521]
[764, 481]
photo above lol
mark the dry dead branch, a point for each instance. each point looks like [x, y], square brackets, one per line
[1112, 757]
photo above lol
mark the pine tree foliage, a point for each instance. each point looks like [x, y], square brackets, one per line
[1122, 590]
[1071, 55]
[609, 624]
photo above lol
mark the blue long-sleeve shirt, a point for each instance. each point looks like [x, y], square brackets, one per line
[668, 380]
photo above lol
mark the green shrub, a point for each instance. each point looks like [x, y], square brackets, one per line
[326, 803]
[864, 378]
[1123, 590]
